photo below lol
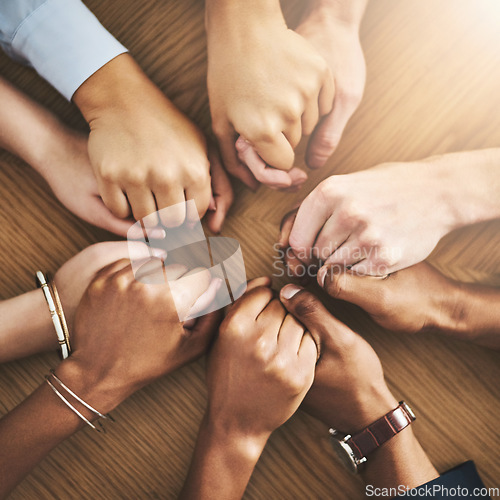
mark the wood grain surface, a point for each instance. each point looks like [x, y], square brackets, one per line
[433, 87]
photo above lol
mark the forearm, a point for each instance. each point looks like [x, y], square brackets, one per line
[113, 87]
[471, 185]
[401, 462]
[221, 466]
[26, 128]
[347, 12]
[229, 17]
[35, 427]
[474, 315]
[26, 327]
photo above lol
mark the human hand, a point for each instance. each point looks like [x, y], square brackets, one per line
[270, 91]
[272, 177]
[258, 371]
[337, 40]
[349, 391]
[260, 367]
[68, 172]
[412, 300]
[127, 332]
[75, 275]
[374, 221]
[144, 151]
[222, 192]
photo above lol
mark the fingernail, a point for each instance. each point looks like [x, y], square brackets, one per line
[288, 291]
[322, 276]
[159, 252]
[156, 234]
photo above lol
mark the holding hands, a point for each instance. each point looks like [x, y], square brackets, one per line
[146, 154]
[266, 84]
[332, 28]
[258, 372]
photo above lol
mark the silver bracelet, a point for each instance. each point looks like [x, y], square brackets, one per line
[80, 400]
[71, 407]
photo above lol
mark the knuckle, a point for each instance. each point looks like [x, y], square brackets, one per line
[109, 172]
[323, 194]
[265, 131]
[352, 213]
[233, 328]
[134, 177]
[292, 111]
[328, 140]
[262, 350]
[306, 307]
[371, 237]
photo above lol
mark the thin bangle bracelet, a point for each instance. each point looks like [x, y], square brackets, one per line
[80, 400]
[71, 407]
[59, 308]
[42, 283]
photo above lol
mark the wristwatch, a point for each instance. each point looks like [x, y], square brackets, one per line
[353, 450]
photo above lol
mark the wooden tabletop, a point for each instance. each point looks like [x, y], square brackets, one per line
[433, 87]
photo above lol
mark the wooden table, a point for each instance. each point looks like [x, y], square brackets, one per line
[433, 87]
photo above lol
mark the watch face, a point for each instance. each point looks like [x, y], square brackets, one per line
[344, 453]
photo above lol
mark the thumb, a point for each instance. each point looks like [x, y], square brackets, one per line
[100, 216]
[361, 290]
[326, 136]
[309, 310]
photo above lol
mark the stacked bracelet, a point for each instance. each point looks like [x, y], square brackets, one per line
[50, 379]
[56, 312]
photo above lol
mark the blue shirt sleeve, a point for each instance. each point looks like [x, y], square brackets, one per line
[61, 39]
[460, 482]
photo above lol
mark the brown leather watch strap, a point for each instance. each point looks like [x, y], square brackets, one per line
[383, 429]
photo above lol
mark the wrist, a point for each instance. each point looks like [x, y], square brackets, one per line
[469, 186]
[339, 13]
[248, 446]
[366, 405]
[112, 88]
[236, 18]
[400, 462]
[369, 406]
[99, 391]
[449, 314]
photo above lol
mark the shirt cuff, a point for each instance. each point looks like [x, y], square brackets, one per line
[65, 43]
[462, 481]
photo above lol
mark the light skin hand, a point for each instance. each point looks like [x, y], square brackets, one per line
[259, 370]
[270, 176]
[277, 95]
[26, 324]
[332, 28]
[349, 393]
[57, 153]
[145, 153]
[376, 220]
[420, 298]
[222, 192]
[126, 334]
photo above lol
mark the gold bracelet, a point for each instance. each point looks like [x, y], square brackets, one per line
[56, 320]
[59, 308]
